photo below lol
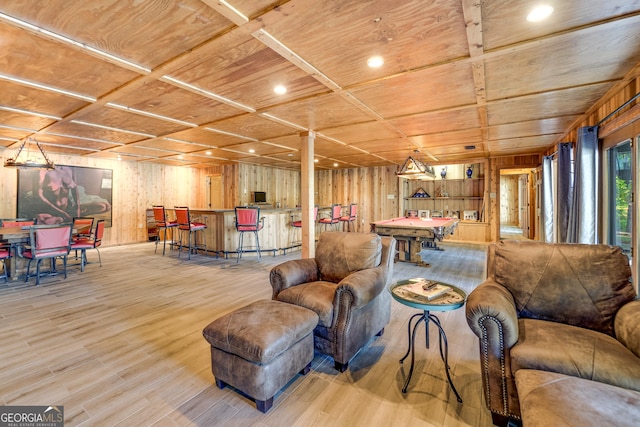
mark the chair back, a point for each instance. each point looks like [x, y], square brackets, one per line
[336, 212]
[99, 233]
[18, 222]
[160, 216]
[83, 226]
[50, 240]
[247, 218]
[315, 214]
[183, 218]
[339, 254]
[353, 211]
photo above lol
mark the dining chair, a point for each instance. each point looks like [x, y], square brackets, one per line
[5, 255]
[248, 221]
[47, 242]
[93, 241]
[160, 217]
[82, 227]
[350, 218]
[186, 225]
[18, 222]
[336, 213]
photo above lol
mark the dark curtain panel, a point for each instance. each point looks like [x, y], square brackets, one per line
[546, 212]
[583, 214]
[565, 188]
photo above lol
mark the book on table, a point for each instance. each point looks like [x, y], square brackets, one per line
[428, 289]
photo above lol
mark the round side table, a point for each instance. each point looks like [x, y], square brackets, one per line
[450, 300]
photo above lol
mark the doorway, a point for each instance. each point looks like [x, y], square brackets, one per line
[515, 205]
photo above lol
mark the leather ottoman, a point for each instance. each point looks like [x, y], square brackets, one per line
[259, 348]
[552, 399]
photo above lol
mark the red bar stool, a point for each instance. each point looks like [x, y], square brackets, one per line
[297, 224]
[248, 221]
[336, 213]
[160, 217]
[185, 225]
[5, 254]
[350, 218]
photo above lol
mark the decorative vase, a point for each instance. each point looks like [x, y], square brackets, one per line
[443, 173]
[469, 172]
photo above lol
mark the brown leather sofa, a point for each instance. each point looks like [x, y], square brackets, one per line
[345, 284]
[563, 308]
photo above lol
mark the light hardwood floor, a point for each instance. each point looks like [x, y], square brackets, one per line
[122, 345]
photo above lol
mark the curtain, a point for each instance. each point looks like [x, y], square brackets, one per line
[565, 188]
[583, 214]
[546, 213]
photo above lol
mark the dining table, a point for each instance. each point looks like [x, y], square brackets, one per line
[14, 237]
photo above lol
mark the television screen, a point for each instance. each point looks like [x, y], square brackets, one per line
[259, 197]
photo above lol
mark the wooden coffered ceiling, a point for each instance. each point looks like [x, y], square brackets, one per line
[191, 82]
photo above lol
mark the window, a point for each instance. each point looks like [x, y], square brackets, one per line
[620, 190]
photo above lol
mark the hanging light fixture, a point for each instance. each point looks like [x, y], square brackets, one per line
[415, 169]
[24, 159]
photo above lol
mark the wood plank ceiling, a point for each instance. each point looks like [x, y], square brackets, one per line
[191, 82]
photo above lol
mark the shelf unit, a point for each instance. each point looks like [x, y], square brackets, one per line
[453, 195]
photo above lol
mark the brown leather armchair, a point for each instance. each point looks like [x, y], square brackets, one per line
[345, 284]
[564, 308]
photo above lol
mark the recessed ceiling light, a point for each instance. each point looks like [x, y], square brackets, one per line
[119, 158]
[181, 157]
[539, 13]
[315, 160]
[375, 61]
[251, 150]
[280, 90]
[208, 153]
[335, 165]
[290, 155]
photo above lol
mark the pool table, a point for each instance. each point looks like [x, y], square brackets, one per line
[411, 232]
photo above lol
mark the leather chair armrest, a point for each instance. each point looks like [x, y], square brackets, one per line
[627, 327]
[492, 301]
[363, 286]
[292, 273]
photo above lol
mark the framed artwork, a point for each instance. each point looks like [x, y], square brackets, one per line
[58, 195]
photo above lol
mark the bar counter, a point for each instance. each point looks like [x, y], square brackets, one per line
[222, 238]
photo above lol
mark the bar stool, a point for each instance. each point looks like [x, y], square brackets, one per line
[336, 213]
[248, 221]
[350, 218]
[160, 217]
[297, 224]
[183, 219]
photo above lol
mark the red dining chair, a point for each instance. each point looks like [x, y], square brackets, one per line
[160, 216]
[248, 221]
[336, 213]
[186, 225]
[18, 222]
[82, 227]
[5, 254]
[92, 242]
[350, 217]
[48, 242]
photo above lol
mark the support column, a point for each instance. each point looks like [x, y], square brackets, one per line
[307, 196]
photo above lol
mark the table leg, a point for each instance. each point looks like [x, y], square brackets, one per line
[443, 347]
[412, 344]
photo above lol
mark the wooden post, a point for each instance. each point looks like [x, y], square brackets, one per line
[307, 198]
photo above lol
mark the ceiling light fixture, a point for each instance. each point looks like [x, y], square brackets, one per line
[415, 169]
[27, 160]
[280, 90]
[540, 13]
[375, 61]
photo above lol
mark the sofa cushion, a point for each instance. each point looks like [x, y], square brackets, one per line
[340, 254]
[551, 399]
[579, 352]
[316, 296]
[581, 285]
